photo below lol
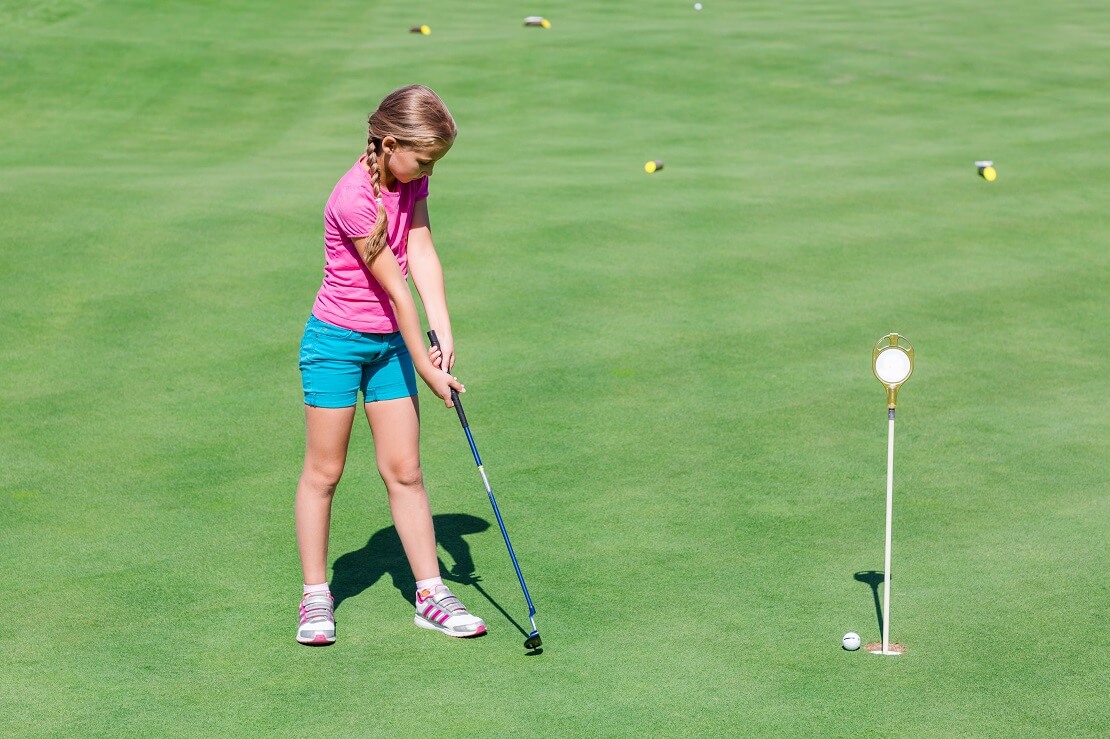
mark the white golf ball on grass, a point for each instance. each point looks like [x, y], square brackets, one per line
[850, 641]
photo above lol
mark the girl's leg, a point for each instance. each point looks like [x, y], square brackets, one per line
[327, 433]
[396, 428]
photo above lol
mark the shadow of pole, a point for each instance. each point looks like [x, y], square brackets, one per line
[874, 579]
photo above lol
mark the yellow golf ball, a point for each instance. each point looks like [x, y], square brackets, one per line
[653, 166]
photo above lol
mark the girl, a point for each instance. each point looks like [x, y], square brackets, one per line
[364, 335]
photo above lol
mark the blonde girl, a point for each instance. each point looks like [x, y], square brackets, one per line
[364, 336]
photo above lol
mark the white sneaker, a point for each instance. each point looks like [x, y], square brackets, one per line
[317, 625]
[440, 610]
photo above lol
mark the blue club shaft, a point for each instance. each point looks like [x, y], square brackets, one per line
[500, 521]
[492, 500]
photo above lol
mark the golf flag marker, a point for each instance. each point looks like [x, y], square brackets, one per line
[892, 363]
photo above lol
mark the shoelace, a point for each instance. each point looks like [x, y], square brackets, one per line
[317, 608]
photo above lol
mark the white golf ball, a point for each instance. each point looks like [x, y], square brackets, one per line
[697, 6]
[850, 641]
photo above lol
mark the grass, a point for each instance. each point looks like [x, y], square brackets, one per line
[669, 375]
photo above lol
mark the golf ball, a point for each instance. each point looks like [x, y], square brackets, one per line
[850, 641]
[986, 170]
[697, 6]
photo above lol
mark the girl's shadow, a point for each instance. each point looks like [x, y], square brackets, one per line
[383, 555]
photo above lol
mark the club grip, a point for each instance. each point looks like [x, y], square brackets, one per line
[454, 394]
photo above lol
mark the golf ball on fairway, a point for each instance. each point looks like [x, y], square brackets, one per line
[850, 641]
[697, 6]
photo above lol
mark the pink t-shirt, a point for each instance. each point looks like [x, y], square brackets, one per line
[350, 296]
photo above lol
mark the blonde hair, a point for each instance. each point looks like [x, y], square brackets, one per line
[417, 118]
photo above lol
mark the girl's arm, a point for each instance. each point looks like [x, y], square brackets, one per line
[427, 275]
[387, 272]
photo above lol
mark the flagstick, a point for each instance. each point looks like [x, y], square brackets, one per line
[889, 526]
[892, 362]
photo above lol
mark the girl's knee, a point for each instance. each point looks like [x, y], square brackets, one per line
[322, 476]
[403, 476]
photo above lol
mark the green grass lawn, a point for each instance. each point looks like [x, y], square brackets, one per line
[669, 375]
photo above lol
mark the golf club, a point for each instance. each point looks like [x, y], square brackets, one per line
[533, 641]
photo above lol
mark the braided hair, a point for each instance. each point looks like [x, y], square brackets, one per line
[416, 117]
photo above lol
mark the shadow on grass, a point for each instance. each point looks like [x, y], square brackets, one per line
[383, 555]
[874, 579]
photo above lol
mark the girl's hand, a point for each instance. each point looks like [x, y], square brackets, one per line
[445, 352]
[442, 384]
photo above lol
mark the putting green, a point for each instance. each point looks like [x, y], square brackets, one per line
[668, 376]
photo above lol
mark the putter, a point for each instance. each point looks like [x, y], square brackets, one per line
[533, 641]
[892, 361]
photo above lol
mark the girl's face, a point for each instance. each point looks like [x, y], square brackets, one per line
[405, 164]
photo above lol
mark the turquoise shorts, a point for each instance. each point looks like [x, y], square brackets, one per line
[337, 363]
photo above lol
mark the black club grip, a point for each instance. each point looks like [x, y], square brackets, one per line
[454, 394]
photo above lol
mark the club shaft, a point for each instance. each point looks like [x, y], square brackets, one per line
[489, 492]
[500, 523]
[889, 527]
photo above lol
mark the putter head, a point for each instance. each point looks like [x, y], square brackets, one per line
[533, 641]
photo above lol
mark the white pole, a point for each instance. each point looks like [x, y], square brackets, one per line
[889, 522]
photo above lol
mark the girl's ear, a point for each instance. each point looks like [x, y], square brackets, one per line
[389, 144]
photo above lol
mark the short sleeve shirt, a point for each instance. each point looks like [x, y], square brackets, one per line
[350, 296]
